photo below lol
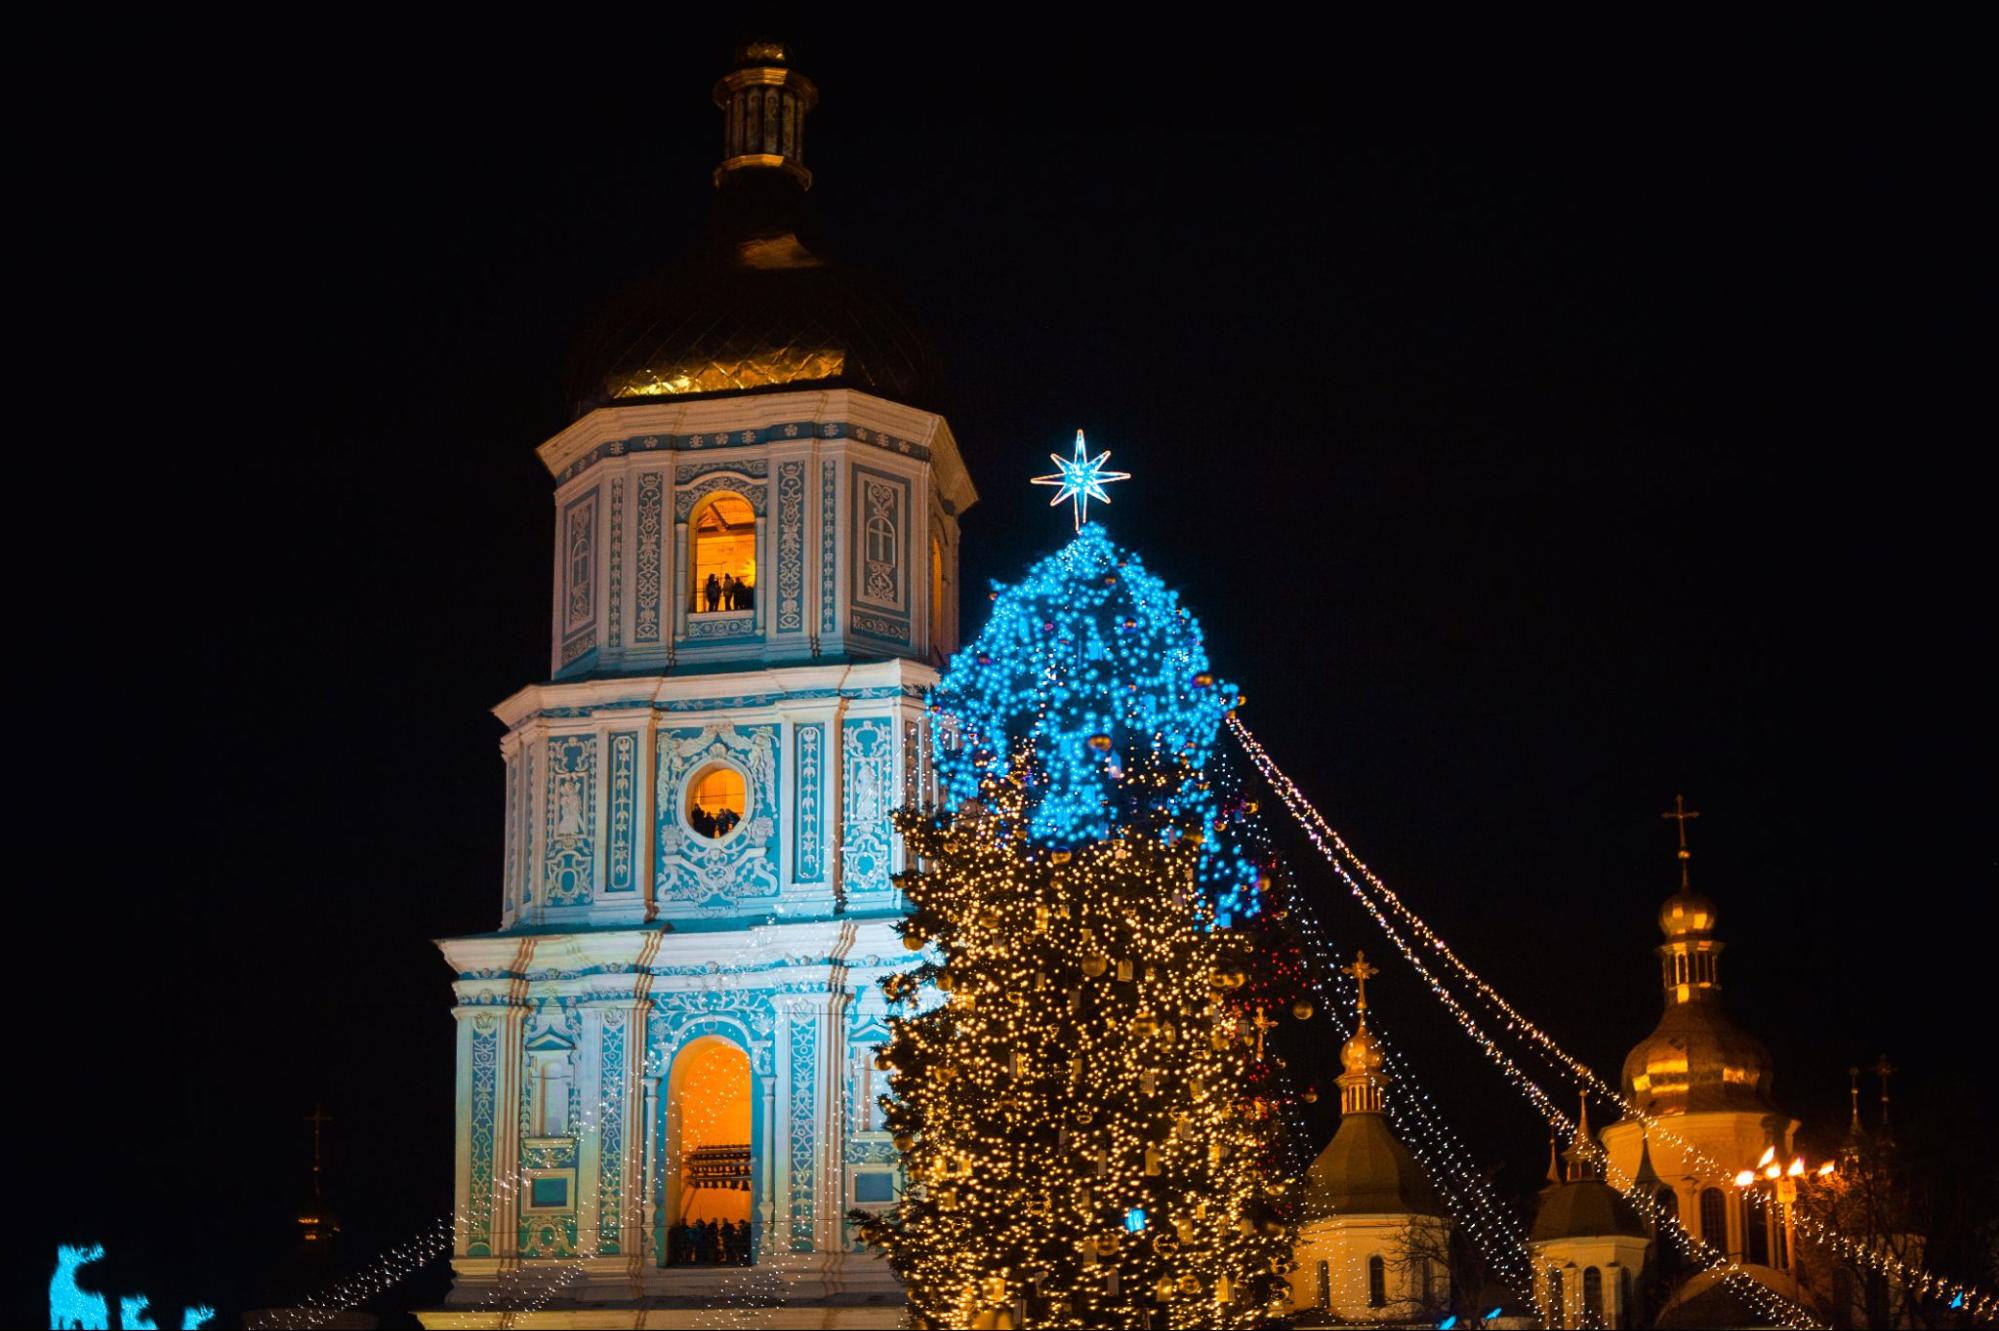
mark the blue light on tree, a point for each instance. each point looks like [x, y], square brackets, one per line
[1092, 662]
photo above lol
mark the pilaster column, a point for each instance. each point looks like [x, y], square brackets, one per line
[829, 1211]
[591, 1097]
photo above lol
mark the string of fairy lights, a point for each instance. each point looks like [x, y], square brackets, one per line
[1337, 853]
[1419, 1122]
[1709, 1257]
[403, 1260]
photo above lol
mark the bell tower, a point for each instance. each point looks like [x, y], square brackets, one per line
[663, 1046]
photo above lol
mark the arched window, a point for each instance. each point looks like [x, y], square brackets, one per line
[1592, 1297]
[1714, 1219]
[722, 558]
[1556, 1314]
[1756, 1224]
[716, 801]
[1325, 1285]
[1377, 1282]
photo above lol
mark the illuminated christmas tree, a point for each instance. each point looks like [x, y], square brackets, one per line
[1085, 1096]
[1093, 661]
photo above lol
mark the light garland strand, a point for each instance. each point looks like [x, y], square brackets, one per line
[1418, 1122]
[1336, 850]
[1523, 1083]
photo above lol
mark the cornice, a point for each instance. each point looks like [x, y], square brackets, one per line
[772, 420]
[770, 686]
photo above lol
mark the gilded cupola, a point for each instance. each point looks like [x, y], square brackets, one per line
[755, 309]
[1696, 1060]
[1364, 1169]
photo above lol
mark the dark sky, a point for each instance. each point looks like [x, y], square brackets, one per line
[1534, 444]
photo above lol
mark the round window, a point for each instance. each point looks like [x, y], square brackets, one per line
[715, 801]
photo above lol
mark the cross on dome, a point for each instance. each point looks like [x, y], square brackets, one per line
[1362, 973]
[1081, 479]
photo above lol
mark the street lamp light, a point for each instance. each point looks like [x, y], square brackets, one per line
[1782, 1186]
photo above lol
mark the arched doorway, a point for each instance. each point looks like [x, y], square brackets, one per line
[708, 1148]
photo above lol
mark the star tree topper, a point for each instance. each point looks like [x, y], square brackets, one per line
[1081, 479]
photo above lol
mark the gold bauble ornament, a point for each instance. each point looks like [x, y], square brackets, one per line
[1302, 1009]
[914, 942]
[1095, 966]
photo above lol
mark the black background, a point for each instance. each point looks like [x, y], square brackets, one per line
[1536, 437]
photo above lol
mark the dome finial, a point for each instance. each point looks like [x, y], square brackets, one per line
[764, 101]
[1363, 1082]
[1362, 973]
[1679, 813]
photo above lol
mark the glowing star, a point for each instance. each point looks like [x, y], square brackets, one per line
[1080, 480]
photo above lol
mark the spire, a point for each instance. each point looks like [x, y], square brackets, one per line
[1582, 1147]
[1554, 1161]
[1679, 814]
[1647, 1176]
[764, 103]
[1363, 1083]
[1691, 955]
[1884, 1070]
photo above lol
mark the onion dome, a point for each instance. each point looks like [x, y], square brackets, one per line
[1698, 1061]
[1362, 1054]
[1686, 914]
[755, 309]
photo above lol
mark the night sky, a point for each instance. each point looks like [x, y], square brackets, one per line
[1533, 446]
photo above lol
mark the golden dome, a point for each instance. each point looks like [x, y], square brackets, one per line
[1686, 914]
[755, 310]
[1362, 1053]
[1698, 1061]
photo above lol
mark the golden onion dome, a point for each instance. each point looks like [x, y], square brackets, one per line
[1698, 1061]
[755, 310]
[751, 314]
[1362, 1053]
[1686, 914]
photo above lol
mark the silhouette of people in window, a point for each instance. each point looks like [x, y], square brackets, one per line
[716, 824]
[711, 592]
[729, 585]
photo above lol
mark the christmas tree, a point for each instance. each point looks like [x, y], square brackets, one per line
[1084, 1094]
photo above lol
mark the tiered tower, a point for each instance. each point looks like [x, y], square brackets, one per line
[671, 1036]
[1373, 1245]
[1708, 1083]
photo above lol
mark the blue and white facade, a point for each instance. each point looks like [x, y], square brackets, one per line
[626, 938]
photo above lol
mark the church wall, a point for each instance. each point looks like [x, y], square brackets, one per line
[597, 777]
[1346, 1243]
[1620, 1260]
[567, 1045]
[847, 490]
[1734, 1141]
